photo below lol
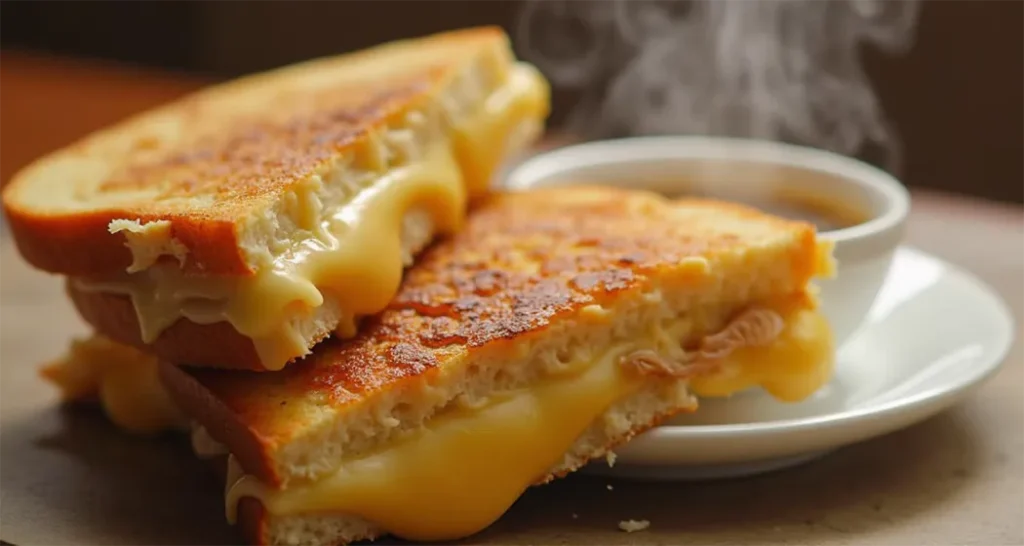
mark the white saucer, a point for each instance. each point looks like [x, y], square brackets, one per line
[934, 333]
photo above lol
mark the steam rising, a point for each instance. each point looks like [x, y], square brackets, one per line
[784, 70]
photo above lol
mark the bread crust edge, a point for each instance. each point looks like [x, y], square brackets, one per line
[216, 345]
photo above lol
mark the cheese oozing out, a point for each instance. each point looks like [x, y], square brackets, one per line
[355, 252]
[427, 486]
[122, 378]
[794, 366]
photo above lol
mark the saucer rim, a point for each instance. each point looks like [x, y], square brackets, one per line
[1000, 349]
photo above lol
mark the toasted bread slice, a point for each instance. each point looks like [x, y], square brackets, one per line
[232, 167]
[220, 344]
[557, 325]
[281, 206]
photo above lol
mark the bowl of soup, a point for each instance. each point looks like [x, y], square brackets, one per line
[860, 208]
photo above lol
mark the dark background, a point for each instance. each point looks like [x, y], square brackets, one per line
[957, 96]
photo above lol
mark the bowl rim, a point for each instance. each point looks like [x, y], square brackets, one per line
[894, 196]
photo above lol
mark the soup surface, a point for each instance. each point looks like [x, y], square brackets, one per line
[827, 214]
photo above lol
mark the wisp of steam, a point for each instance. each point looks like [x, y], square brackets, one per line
[787, 70]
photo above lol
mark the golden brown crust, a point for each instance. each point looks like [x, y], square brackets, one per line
[207, 161]
[524, 262]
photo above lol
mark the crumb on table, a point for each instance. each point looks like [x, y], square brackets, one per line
[633, 525]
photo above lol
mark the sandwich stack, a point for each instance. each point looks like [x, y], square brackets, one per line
[308, 270]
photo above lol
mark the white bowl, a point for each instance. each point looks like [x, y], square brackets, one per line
[765, 174]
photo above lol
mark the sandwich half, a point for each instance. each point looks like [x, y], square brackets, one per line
[241, 225]
[558, 324]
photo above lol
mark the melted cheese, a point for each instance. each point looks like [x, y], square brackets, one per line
[356, 254]
[358, 259]
[792, 368]
[510, 118]
[429, 486]
[204, 446]
[463, 469]
[122, 378]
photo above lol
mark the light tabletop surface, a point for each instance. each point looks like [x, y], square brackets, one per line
[69, 478]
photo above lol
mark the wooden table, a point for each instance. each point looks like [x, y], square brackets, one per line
[68, 477]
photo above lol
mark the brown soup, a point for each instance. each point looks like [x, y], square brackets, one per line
[826, 213]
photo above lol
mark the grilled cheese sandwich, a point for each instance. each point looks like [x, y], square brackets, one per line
[427, 485]
[323, 203]
[271, 218]
[505, 440]
[556, 325]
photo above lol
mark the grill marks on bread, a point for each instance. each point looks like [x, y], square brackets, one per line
[260, 157]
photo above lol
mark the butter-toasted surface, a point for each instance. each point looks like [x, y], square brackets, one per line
[213, 162]
[525, 264]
